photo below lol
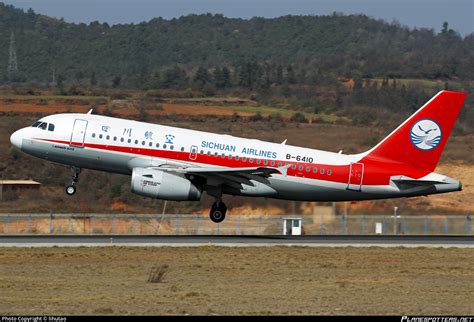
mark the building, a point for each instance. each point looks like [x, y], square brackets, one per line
[19, 185]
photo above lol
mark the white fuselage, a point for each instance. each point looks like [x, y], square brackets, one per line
[118, 146]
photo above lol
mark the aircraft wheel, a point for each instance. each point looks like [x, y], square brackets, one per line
[218, 212]
[70, 190]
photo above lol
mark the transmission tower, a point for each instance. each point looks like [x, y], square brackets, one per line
[12, 61]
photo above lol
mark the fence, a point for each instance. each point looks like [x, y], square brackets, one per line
[146, 224]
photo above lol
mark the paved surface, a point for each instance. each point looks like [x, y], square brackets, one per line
[234, 241]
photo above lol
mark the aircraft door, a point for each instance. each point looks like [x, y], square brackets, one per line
[356, 175]
[78, 133]
[193, 152]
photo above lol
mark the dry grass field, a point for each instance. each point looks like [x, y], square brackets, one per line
[220, 280]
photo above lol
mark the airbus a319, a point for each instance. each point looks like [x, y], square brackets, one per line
[179, 164]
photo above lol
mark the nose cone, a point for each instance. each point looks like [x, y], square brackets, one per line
[16, 139]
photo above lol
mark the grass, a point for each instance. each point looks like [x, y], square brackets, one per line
[157, 273]
[284, 112]
[51, 97]
[246, 280]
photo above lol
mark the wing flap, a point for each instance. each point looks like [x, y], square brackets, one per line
[232, 177]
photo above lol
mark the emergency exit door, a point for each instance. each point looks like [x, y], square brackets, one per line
[356, 175]
[193, 152]
[78, 133]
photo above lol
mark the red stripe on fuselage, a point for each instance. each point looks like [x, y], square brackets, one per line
[376, 172]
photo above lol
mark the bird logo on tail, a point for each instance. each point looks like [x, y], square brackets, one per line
[426, 134]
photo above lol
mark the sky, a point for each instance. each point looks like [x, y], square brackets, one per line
[413, 13]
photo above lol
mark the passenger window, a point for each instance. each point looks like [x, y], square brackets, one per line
[308, 169]
[129, 141]
[322, 171]
[251, 160]
[223, 156]
[115, 138]
[182, 149]
[136, 141]
[51, 127]
[237, 157]
[258, 161]
[100, 136]
[208, 153]
[143, 142]
[329, 172]
[230, 156]
[108, 137]
[171, 147]
[202, 152]
[265, 162]
[273, 163]
[164, 146]
[293, 166]
[300, 168]
[215, 154]
[121, 139]
[157, 145]
[244, 159]
[93, 135]
[280, 164]
[151, 143]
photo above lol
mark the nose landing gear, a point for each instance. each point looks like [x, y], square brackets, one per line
[71, 189]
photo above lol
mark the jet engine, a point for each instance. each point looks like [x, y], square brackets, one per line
[163, 185]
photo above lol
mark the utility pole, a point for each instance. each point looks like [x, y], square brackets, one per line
[12, 60]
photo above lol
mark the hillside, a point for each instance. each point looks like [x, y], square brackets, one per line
[298, 49]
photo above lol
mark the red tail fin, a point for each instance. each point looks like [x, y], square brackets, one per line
[420, 140]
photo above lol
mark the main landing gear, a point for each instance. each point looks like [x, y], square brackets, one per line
[218, 211]
[71, 189]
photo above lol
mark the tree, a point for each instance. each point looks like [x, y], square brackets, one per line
[201, 78]
[445, 28]
[175, 77]
[222, 78]
[248, 74]
[279, 75]
[290, 75]
[116, 81]
[93, 80]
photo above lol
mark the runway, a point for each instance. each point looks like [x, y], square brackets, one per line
[235, 241]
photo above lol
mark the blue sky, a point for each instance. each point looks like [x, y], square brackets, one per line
[413, 13]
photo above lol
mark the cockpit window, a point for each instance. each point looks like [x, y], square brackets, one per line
[36, 124]
[51, 127]
[43, 126]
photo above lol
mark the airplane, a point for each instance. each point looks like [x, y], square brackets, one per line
[180, 164]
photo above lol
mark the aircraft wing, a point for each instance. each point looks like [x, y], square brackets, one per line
[261, 171]
[233, 177]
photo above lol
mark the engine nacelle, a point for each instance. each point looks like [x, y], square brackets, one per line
[163, 185]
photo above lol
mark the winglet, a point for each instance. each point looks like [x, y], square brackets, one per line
[284, 142]
[90, 111]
